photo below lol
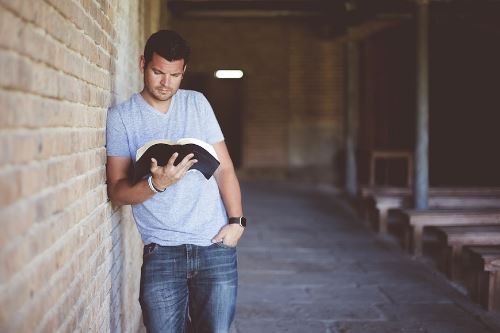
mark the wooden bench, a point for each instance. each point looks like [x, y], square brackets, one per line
[454, 238]
[482, 275]
[417, 220]
[377, 202]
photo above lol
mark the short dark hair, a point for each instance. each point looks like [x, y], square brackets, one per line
[167, 44]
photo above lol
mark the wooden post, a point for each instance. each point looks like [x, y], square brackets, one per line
[352, 116]
[422, 143]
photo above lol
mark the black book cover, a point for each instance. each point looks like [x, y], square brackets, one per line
[162, 150]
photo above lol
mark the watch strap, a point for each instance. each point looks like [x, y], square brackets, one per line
[241, 220]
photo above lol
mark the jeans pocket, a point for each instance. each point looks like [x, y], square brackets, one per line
[149, 250]
[224, 246]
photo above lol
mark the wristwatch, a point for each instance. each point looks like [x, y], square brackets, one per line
[241, 220]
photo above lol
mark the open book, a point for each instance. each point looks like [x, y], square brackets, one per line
[162, 150]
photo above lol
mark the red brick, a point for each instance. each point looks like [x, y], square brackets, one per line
[60, 74]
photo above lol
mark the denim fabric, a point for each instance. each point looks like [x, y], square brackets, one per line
[188, 288]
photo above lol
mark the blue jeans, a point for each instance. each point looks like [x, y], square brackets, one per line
[188, 288]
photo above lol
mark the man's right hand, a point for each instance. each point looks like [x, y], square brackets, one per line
[164, 176]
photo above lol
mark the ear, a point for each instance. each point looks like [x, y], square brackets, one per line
[142, 62]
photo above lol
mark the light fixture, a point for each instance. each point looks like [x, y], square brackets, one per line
[229, 74]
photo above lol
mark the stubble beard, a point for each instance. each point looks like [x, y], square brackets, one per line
[154, 93]
[158, 95]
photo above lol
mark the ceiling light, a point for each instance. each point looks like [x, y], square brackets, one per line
[229, 74]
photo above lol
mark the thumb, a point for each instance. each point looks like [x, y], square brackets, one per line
[154, 164]
[219, 237]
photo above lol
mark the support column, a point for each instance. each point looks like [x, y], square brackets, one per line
[352, 116]
[422, 142]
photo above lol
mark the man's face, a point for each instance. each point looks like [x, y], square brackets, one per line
[162, 78]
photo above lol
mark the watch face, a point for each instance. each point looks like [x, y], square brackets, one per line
[243, 221]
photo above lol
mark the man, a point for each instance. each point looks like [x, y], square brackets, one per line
[190, 226]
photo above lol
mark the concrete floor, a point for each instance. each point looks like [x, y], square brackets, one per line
[308, 264]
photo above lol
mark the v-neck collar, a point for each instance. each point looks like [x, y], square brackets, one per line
[149, 108]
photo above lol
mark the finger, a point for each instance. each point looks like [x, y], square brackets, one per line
[172, 159]
[219, 237]
[184, 168]
[184, 165]
[189, 164]
[154, 165]
[186, 159]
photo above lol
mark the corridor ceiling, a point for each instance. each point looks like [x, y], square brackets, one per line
[339, 14]
[324, 7]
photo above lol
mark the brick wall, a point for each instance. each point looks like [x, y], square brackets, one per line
[69, 260]
[293, 90]
[316, 93]
[258, 47]
[294, 100]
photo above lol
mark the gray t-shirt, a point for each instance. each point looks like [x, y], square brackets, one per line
[191, 211]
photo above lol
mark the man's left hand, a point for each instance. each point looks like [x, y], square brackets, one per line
[230, 234]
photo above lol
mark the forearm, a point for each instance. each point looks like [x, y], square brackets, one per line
[229, 188]
[122, 193]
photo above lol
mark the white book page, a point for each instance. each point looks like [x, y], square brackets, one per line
[182, 141]
[203, 144]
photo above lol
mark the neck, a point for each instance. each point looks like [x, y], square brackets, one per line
[161, 106]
